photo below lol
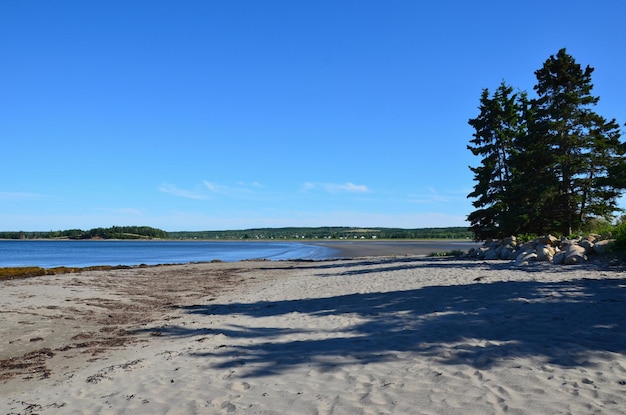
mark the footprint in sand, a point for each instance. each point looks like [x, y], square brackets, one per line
[240, 386]
[224, 403]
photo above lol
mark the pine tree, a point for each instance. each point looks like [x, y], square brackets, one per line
[572, 147]
[497, 126]
[550, 164]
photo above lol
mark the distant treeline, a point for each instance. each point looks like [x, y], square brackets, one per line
[330, 233]
[146, 232]
[114, 232]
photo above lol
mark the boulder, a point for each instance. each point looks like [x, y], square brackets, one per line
[545, 252]
[547, 240]
[544, 248]
[513, 255]
[602, 247]
[505, 252]
[528, 246]
[558, 258]
[480, 253]
[574, 254]
[524, 258]
[491, 254]
[587, 244]
[510, 240]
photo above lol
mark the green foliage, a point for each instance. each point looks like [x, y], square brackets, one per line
[146, 232]
[328, 233]
[125, 232]
[619, 233]
[115, 232]
[526, 237]
[551, 164]
[499, 123]
[597, 226]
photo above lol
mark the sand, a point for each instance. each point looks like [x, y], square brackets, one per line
[370, 248]
[379, 335]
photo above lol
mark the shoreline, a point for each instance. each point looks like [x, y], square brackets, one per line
[112, 255]
[385, 334]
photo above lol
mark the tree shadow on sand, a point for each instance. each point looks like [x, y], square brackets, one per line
[334, 267]
[567, 323]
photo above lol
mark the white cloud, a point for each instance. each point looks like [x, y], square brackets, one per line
[173, 190]
[351, 187]
[348, 187]
[242, 189]
[212, 187]
[308, 186]
[249, 219]
[252, 184]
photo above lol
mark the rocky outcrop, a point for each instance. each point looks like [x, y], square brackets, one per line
[545, 248]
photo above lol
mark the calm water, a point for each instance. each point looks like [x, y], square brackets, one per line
[49, 254]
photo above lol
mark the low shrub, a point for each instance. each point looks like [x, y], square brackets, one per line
[619, 233]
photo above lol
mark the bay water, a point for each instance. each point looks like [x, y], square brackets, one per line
[71, 253]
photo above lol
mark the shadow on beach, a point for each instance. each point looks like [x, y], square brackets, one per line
[353, 267]
[480, 324]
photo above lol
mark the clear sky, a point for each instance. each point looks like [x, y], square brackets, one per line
[209, 115]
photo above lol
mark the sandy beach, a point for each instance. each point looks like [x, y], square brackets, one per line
[370, 335]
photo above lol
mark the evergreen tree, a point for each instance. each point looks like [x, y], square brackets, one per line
[572, 149]
[497, 126]
[549, 165]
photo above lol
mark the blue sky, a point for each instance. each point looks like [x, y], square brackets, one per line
[208, 115]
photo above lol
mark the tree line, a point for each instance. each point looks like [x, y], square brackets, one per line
[114, 232]
[146, 232]
[329, 233]
[550, 164]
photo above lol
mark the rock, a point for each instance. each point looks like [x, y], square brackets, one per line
[528, 246]
[509, 240]
[544, 248]
[505, 252]
[547, 240]
[524, 258]
[558, 258]
[545, 252]
[602, 247]
[587, 244]
[491, 254]
[574, 254]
